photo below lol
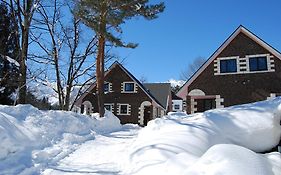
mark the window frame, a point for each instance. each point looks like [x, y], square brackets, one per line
[177, 106]
[258, 67]
[106, 84]
[129, 91]
[127, 109]
[227, 64]
[110, 105]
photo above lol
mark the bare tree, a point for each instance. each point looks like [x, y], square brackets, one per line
[143, 79]
[192, 68]
[63, 48]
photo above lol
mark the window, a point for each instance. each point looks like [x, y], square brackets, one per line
[209, 104]
[258, 63]
[129, 87]
[124, 109]
[108, 107]
[228, 66]
[106, 87]
[177, 106]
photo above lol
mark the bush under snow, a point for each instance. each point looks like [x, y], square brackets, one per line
[30, 136]
[220, 141]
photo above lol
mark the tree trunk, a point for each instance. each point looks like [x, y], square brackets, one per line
[67, 97]
[23, 57]
[59, 86]
[100, 60]
[100, 74]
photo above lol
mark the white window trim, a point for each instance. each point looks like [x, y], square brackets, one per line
[176, 106]
[109, 87]
[111, 106]
[123, 87]
[270, 64]
[218, 71]
[119, 109]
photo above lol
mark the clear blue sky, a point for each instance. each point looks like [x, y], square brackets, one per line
[191, 28]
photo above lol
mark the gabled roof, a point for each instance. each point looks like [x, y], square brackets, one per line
[175, 97]
[240, 29]
[116, 63]
[160, 91]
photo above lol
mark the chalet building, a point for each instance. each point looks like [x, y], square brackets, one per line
[127, 98]
[177, 103]
[243, 69]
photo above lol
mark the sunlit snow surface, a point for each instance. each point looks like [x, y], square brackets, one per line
[221, 141]
[218, 141]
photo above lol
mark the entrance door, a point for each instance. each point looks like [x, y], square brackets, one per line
[205, 104]
[146, 115]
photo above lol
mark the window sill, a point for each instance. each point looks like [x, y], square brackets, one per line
[129, 92]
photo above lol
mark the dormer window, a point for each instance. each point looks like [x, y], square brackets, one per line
[228, 66]
[258, 63]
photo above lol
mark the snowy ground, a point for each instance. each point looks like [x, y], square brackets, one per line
[221, 141]
[104, 155]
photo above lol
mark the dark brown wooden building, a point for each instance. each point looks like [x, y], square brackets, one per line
[127, 98]
[243, 69]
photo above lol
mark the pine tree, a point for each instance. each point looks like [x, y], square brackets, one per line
[8, 67]
[105, 18]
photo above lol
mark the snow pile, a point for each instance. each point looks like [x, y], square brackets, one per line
[233, 159]
[32, 139]
[175, 83]
[218, 141]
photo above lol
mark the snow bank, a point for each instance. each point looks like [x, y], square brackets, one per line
[178, 144]
[30, 137]
[233, 159]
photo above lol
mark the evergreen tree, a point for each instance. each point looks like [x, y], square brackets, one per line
[8, 54]
[105, 18]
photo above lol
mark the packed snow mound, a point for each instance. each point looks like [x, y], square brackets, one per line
[256, 127]
[29, 136]
[232, 160]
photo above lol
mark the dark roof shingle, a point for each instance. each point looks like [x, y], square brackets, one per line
[160, 91]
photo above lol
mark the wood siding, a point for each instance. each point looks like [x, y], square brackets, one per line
[240, 88]
[117, 76]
